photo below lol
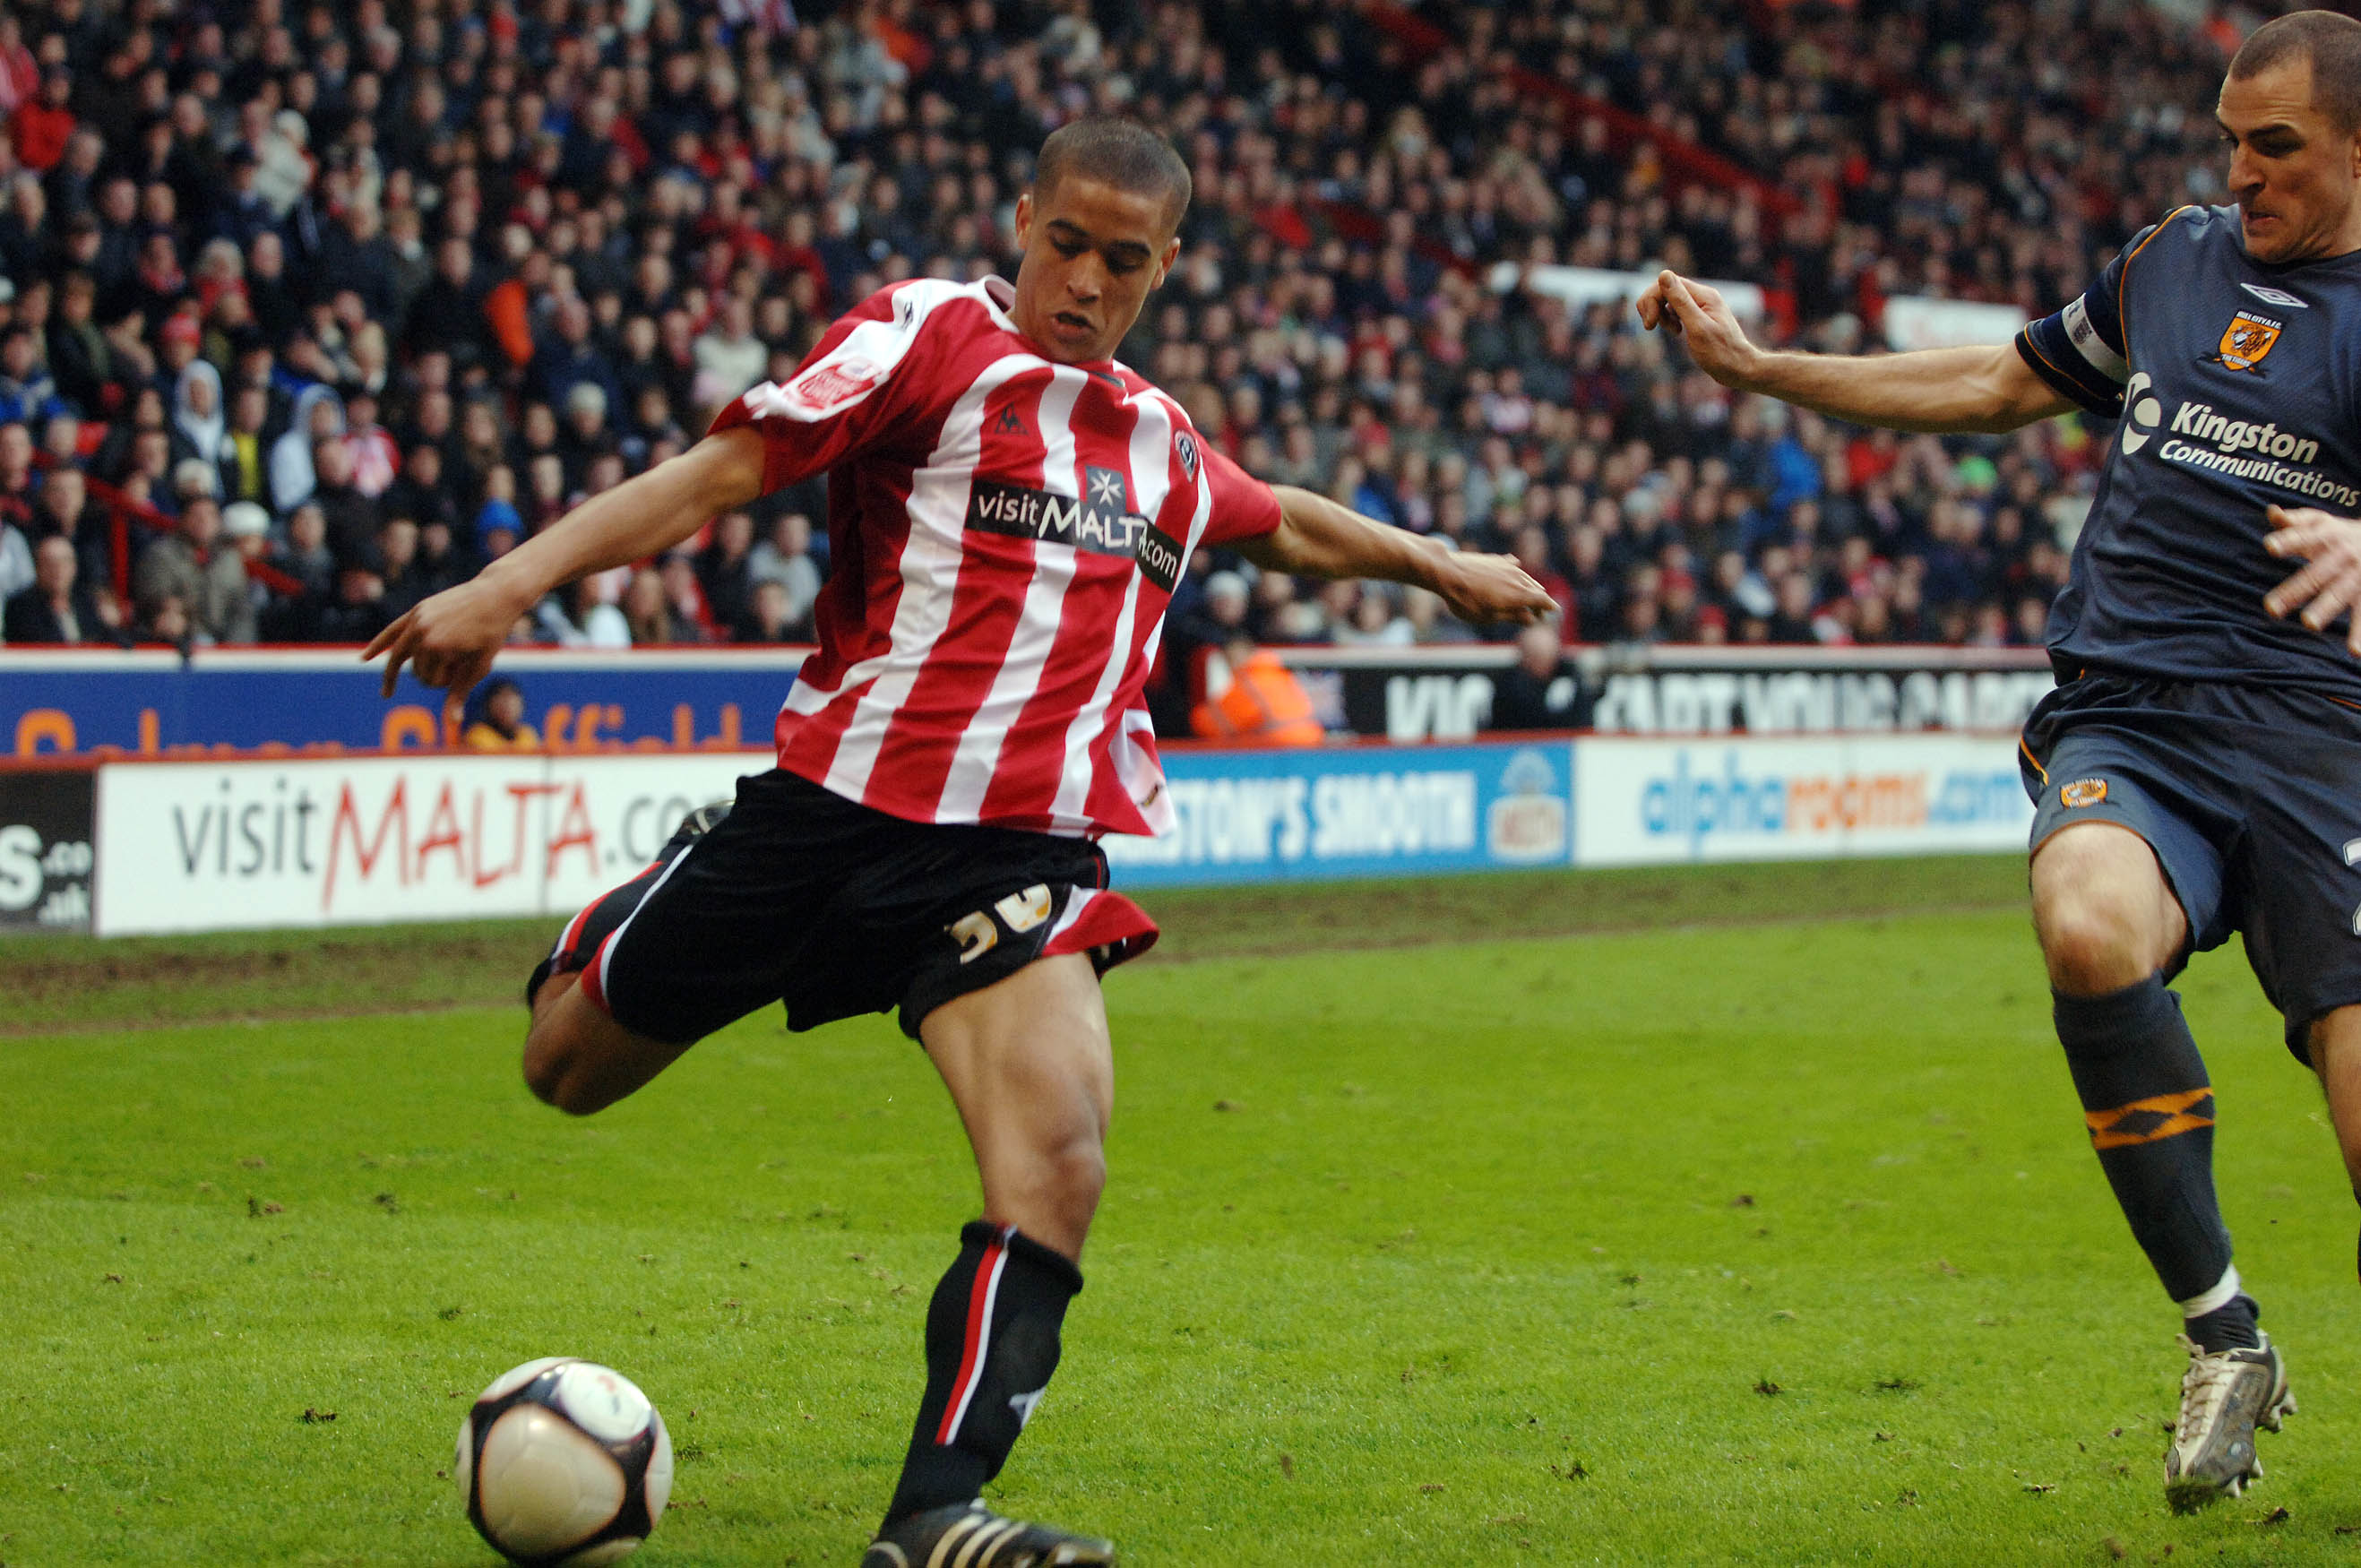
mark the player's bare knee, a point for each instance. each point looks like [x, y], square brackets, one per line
[2094, 946]
[544, 1068]
[1076, 1171]
[2104, 914]
[552, 1072]
[1063, 1181]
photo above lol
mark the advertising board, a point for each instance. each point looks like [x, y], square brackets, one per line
[46, 855]
[1445, 693]
[1642, 801]
[262, 842]
[1912, 322]
[271, 702]
[150, 702]
[1355, 811]
[215, 845]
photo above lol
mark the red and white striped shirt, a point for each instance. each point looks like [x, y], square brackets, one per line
[1005, 533]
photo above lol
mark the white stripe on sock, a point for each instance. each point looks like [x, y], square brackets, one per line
[984, 1340]
[2213, 1301]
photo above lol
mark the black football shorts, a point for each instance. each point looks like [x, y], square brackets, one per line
[2250, 797]
[803, 896]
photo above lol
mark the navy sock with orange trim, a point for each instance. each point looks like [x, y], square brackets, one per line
[992, 1343]
[2149, 1108]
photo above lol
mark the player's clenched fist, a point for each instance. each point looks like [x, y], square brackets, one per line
[2329, 582]
[1699, 314]
[1487, 589]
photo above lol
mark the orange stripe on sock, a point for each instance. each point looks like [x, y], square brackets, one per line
[2174, 1108]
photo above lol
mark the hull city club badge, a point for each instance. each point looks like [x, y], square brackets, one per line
[2246, 342]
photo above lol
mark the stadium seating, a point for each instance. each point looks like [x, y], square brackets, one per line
[361, 304]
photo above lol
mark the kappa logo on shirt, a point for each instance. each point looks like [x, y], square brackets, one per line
[1101, 522]
[2246, 342]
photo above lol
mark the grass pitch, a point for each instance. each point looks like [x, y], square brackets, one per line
[1759, 1242]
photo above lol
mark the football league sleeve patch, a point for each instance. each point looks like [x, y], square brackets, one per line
[845, 396]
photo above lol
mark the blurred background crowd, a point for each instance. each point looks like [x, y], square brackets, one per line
[310, 309]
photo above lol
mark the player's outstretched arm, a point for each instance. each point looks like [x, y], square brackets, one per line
[1319, 538]
[1943, 392]
[2330, 581]
[449, 639]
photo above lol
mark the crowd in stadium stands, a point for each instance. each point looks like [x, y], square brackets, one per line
[329, 303]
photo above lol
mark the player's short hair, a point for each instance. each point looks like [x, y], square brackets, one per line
[2331, 43]
[1123, 153]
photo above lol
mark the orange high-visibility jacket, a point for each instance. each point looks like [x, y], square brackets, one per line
[1265, 706]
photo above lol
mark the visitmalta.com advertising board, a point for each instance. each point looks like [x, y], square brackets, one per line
[212, 844]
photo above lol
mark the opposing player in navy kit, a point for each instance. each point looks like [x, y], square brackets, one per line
[2197, 770]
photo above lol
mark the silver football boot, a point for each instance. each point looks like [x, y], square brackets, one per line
[2224, 1396]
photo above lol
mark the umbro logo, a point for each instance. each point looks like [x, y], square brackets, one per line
[2275, 296]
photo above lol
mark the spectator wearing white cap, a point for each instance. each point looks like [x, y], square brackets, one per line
[245, 528]
[194, 476]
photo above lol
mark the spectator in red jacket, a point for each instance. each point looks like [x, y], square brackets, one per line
[42, 128]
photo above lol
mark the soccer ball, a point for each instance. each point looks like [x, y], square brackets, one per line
[564, 1465]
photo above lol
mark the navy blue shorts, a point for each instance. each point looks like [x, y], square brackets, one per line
[2250, 797]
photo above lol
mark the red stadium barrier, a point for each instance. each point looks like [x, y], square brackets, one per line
[122, 509]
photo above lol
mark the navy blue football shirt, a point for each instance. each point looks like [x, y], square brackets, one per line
[2234, 384]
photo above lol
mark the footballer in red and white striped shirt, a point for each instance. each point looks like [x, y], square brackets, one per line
[1010, 510]
[1006, 531]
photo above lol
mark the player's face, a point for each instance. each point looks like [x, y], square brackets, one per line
[2296, 179]
[1092, 251]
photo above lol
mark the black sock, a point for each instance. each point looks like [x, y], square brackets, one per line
[2229, 1326]
[2149, 1107]
[992, 1343]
